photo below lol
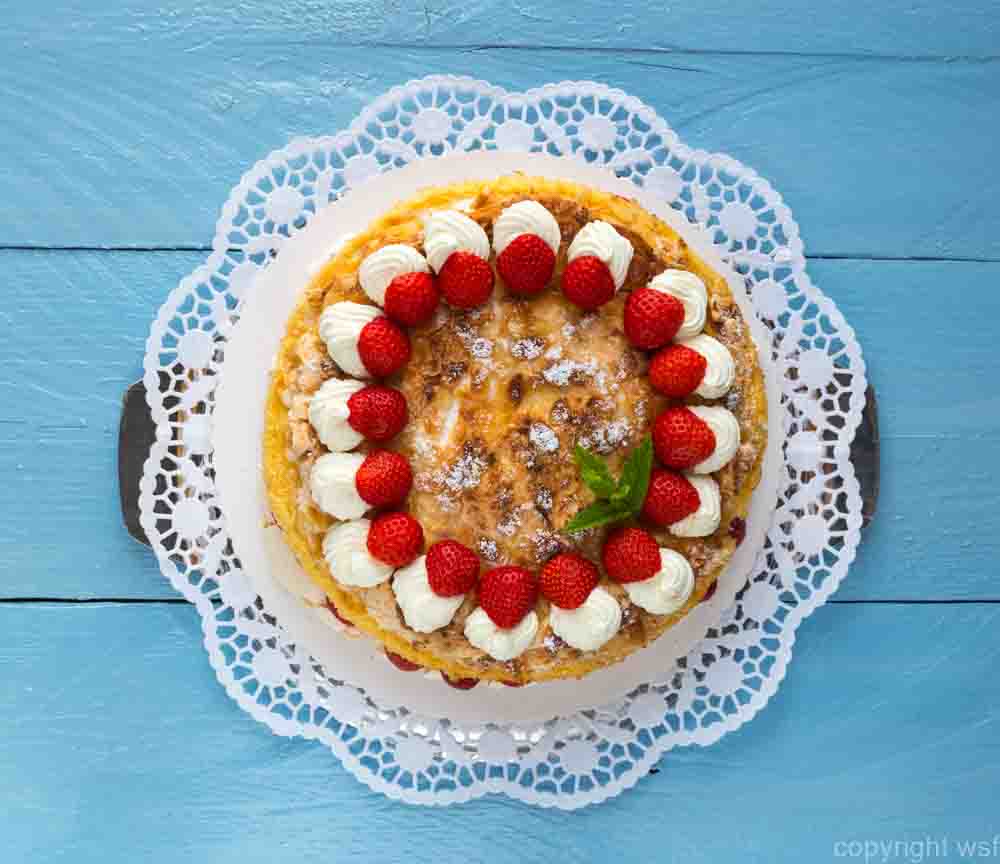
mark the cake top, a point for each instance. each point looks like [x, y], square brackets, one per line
[476, 375]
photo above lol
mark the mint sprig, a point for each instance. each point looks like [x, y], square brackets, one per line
[616, 500]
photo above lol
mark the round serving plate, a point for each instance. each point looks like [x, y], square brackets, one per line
[201, 497]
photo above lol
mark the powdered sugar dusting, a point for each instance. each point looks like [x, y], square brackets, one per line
[607, 436]
[481, 349]
[464, 473]
[488, 549]
[510, 523]
[528, 349]
[562, 372]
[543, 438]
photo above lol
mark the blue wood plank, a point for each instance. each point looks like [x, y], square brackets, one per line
[898, 28]
[102, 148]
[90, 312]
[884, 730]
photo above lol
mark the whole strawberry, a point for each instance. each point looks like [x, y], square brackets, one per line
[395, 539]
[567, 580]
[669, 499]
[682, 439]
[652, 318]
[526, 265]
[466, 280]
[452, 568]
[507, 594]
[588, 282]
[631, 555]
[379, 413]
[384, 479]
[677, 371]
[383, 347]
[411, 299]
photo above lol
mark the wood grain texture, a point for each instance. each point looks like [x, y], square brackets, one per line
[132, 130]
[896, 28]
[90, 313]
[131, 752]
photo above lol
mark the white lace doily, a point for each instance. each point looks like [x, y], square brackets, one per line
[730, 675]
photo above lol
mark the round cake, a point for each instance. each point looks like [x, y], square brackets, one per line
[513, 429]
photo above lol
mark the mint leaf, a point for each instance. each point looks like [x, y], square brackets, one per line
[594, 472]
[598, 513]
[635, 474]
[622, 494]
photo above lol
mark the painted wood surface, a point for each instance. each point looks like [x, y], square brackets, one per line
[132, 132]
[126, 122]
[131, 752]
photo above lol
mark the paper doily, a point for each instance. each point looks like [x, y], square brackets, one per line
[592, 755]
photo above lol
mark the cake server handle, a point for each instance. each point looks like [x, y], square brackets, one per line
[137, 432]
[865, 455]
[136, 436]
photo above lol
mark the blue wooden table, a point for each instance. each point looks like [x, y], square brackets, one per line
[124, 125]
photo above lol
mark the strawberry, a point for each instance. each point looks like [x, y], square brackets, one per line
[411, 299]
[588, 282]
[384, 478]
[507, 594]
[677, 371]
[378, 413]
[652, 318]
[681, 438]
[526, 265]
[738, 529]
[401, 662]
[631, 555]
[383, 347]
[336, 613]
[452, 568]
[395, 538]
[670, 498]
[466, 280]
[567, 580]
[460, 683]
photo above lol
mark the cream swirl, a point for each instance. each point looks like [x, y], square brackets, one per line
[447, 231]
[345, 548]
[691, 291]
[726, 429]
[328, 413]
[526, 217]
[423, 610]
[602, 241]
[591, 624]
[500, 643]
[720, 370]
[385, 264]
[332, 483]
[668, 590]
[706, 518]
[340, 325]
